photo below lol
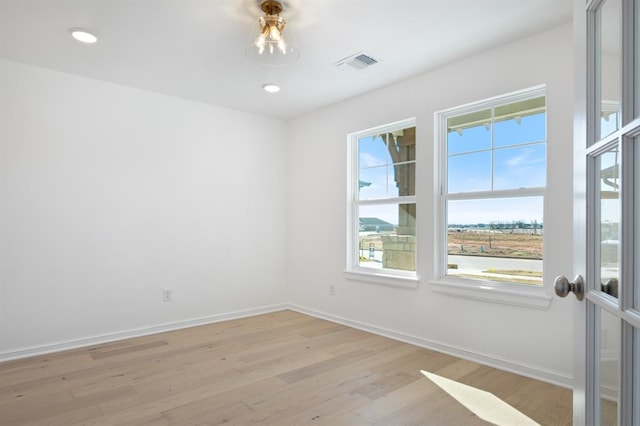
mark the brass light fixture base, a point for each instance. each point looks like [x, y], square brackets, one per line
[271, 7]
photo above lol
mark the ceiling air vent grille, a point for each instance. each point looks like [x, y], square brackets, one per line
[358, 61]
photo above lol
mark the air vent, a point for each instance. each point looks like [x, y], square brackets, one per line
[358, 61]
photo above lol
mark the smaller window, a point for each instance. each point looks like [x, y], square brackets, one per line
[382, 202]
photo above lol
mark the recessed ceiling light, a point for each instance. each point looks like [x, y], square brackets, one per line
[271, 88]
[83, 36]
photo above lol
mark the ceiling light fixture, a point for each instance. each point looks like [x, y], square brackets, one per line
[271, 88]
[270, 47]
[83, 36]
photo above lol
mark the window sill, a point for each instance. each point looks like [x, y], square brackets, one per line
[487, 291]
[383, 279]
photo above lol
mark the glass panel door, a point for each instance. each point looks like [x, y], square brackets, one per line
[611, 365]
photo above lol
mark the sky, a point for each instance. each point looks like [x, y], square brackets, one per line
[518, 160]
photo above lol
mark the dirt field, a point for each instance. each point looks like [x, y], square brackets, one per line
[496, 244]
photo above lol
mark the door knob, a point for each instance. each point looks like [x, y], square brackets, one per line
[610, 287]
[563, 286]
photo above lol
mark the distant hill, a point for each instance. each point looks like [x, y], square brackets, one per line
[375, 224]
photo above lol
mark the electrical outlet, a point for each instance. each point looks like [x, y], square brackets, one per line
[332, 290]
[167, 295]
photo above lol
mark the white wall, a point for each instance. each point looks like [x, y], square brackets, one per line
[110, 194]
[3, 114]
[536, 342]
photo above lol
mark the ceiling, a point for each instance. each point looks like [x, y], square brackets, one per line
[195, 48]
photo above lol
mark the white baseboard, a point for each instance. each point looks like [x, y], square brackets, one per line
[524, 370]
[138, 332]
[491, 361]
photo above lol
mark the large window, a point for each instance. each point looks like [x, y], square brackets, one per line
[493, 177]
[382, 217]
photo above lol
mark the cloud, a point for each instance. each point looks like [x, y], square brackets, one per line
[527, 157]
[516, 161]
[368, 160]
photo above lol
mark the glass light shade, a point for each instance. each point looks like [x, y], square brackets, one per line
[270, 45]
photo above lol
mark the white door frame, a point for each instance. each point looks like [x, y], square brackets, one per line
[579, 209]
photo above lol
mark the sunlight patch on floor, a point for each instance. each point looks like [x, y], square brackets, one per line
[483, 404]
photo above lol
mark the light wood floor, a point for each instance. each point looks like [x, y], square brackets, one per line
[282, 368]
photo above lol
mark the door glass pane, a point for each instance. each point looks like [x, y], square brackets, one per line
[636, 376]
[610, 16]
[609, 362]
[637, 62]
[636, 291]
[608, 214]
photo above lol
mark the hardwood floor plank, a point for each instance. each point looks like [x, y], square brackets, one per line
[99, 353]
[395, 400]
[385, 385]
[79, 416]
[27, 411]
[279, 368]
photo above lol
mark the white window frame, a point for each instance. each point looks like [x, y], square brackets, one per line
[492, 291]
[354, 271]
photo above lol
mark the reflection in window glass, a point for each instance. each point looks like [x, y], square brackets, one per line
[610, 122]
[498, 239]
[386, 237]
[609, 213]
[610, 17]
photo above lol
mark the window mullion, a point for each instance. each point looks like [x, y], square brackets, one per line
[493, 127]
[503, 193]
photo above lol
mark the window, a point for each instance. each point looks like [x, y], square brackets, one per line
[382, 203]
[493, 177]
